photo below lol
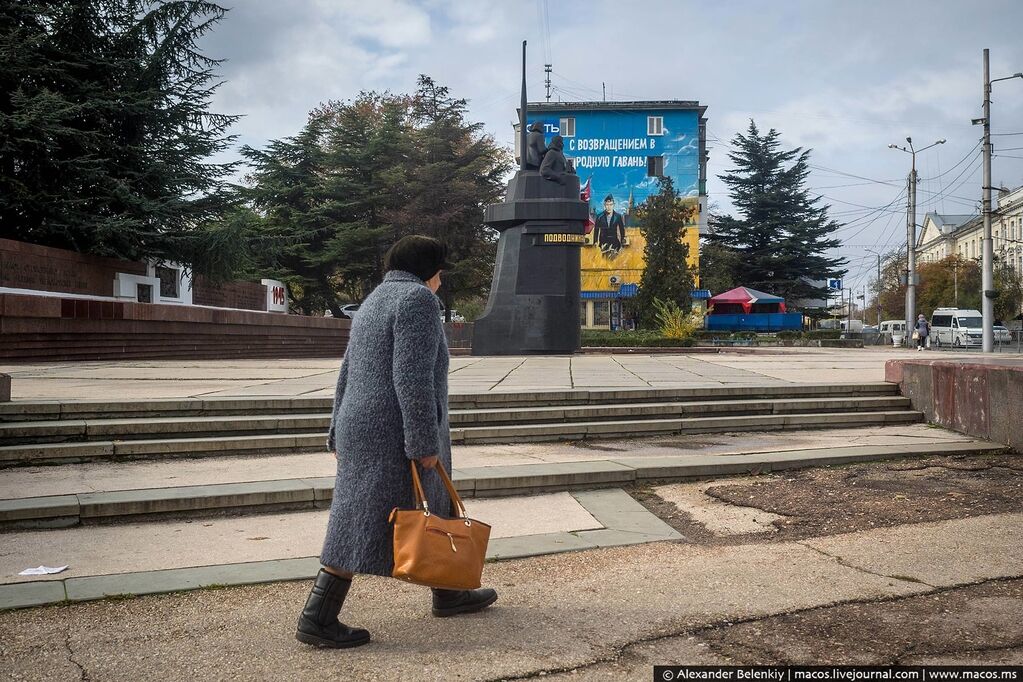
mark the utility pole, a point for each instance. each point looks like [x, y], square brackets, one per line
[848, 312]
[547, 70]
[878, 254]
[911, 233]
[911, 242]
[987, 283]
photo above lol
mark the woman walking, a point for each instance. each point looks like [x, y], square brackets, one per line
[390, 406]
[923, 330]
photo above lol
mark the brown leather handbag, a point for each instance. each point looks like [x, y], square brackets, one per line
[436, 551]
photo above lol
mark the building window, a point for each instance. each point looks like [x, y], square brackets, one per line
[655, 166]
[144, 293]
[654, 125]
[567, 126]
[602, 314]
[169, 280]
[582, 313]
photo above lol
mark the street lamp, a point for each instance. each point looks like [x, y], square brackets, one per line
[988, 293]
[911, 232]
[878, 254]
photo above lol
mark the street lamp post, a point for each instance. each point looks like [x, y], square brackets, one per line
[878, 254]
[988, 293]
[911, 234]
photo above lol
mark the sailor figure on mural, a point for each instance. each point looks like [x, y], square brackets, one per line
[610, 229]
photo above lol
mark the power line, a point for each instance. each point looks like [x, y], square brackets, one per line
[975, 148]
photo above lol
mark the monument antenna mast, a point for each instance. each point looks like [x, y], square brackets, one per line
[522, 113]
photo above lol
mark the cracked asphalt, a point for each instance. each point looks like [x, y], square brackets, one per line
[937, 578]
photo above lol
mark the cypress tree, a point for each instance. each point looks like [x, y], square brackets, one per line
[782, 236]
[666, 275]
[105, 128]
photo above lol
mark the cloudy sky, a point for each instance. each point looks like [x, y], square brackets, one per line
[843, 77]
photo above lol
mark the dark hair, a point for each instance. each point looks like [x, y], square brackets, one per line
[608, 198]
[419, 255]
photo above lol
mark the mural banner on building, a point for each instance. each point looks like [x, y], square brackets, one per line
[619, 156]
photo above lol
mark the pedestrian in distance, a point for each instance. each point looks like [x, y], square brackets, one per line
[922, 331]
[390, 406]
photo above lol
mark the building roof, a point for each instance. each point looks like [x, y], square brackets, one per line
[949, 220]
[637, 105]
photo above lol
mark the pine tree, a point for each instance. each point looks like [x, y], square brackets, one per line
[105, 128]
[782, 237]
[666, 276]
[457, 170]
[366, 172]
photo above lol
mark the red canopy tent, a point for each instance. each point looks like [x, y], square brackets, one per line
[745, 298]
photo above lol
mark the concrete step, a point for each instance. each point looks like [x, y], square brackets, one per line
[472, 482]
[48, 410]
[624, 428]
[36, 453]
[74, 430]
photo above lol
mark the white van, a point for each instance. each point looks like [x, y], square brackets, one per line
[959, 327]
[897, 330]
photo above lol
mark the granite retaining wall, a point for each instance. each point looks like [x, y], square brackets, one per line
[37, 328]
[981, 397]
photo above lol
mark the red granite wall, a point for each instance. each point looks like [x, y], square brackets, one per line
[244, 295]
[982, 397]
[53, 328]
[28, 266]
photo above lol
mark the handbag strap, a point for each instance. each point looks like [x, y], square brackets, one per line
[417, 489]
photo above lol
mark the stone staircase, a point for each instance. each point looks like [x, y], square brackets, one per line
[229, 491]
[35, 432]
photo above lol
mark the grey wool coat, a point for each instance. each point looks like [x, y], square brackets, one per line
[390, 406]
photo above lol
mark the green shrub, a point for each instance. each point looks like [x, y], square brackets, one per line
[601, 338]
[823, 334]
[674, 322]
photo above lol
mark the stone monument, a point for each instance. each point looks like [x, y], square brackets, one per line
[534, 299]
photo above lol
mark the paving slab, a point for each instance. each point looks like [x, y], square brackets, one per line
[169, 378]
[155, 545]
[980, 548]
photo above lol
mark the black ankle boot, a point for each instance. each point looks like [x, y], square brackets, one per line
[454, 602]
[318, 624]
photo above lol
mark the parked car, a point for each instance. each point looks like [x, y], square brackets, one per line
[897, 330]
[349, 310]
[1002, 334]
[957, 327]
[455, 316]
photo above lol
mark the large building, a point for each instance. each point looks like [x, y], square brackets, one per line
[620, 150]
[946, 235]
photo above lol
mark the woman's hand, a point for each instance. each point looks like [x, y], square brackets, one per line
[428, 462]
